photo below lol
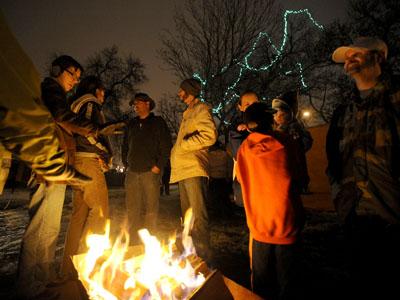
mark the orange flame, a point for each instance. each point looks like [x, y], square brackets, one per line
[160, 273]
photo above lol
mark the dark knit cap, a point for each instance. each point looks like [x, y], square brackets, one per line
[145, 98]
[259, 117]
[191, 86]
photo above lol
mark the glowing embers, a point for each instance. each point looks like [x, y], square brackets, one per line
[121, 272]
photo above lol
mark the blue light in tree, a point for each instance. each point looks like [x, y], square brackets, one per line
[245, 66]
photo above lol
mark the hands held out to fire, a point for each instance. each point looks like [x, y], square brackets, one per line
[111, 129]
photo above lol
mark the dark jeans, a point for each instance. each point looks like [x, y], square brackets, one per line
[237, 193]
[193, 193]
[219, 204]
[275, 270]
[142, 195]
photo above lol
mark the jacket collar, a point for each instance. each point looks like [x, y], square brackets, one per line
[151, 115]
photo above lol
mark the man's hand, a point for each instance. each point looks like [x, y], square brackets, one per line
[79, 179]
[155, 170]
[112, 129]
[68, 176]
[241, 127]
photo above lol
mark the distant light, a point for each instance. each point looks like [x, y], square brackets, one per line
[120, 169]
[306, 114]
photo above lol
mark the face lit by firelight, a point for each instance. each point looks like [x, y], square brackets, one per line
[68, 78]
[185, 97]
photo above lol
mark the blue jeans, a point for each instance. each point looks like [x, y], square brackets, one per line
[193, 193]
[36, 263]
[142, 195]
[274, 270]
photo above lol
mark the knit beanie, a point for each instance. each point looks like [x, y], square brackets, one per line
[191, 86]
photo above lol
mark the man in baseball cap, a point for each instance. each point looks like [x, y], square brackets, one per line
[362, 60]
[145, 152]
[362, 148]
[143, 97]
[361, 43]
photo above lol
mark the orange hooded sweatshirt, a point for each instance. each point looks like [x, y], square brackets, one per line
[274, 211]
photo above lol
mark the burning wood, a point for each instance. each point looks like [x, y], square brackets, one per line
[152, 271]
[119, 272]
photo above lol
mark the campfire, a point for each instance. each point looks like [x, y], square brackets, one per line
[153, 271]
[159, 272]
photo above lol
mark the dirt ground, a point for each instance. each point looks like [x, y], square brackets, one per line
[324, 271]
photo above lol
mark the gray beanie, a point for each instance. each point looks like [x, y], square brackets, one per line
[191, 86]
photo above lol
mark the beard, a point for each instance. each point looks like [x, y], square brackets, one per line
[354, 66]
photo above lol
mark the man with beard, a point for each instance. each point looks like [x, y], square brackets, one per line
[364, 167]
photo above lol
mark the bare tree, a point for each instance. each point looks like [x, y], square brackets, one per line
[120, 75]
[211, 37]
[237, 45]
[329, 85]
[171, 109]
[380, 18]
[234, 45]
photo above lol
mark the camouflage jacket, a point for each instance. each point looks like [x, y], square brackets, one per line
[363, 151]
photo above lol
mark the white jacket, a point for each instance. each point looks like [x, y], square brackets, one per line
[189, 156]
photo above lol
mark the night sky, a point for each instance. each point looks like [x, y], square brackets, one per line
[81, 28]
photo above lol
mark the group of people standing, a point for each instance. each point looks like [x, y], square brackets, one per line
[65, 142]
[362, 147]
[269, 145]
[146, 151]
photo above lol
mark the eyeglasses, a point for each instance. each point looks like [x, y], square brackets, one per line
[137, 102]
[73, 75]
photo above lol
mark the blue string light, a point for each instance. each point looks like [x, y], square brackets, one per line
[244, 65]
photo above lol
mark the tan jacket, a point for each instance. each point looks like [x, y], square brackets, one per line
[189, 156]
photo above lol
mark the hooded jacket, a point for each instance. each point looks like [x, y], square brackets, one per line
[274, 211]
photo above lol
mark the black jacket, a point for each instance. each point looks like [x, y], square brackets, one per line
[55, 99]
[147, 143]
[236, 137]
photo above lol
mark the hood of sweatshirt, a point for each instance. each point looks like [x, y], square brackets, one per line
[259, 144]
